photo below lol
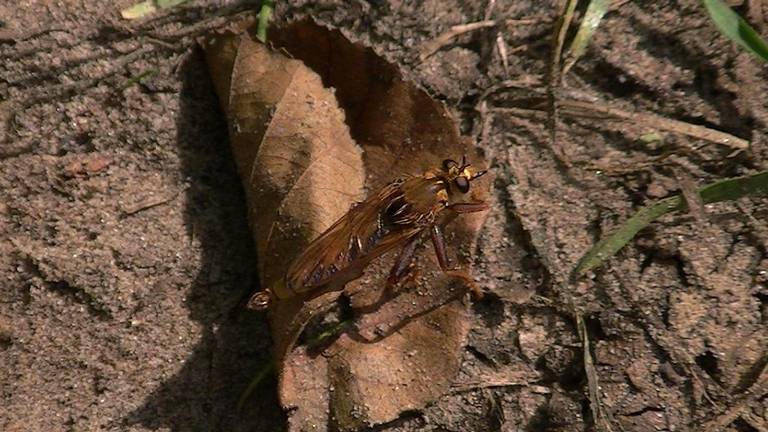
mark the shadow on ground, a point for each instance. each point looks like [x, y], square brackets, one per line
[204, 394]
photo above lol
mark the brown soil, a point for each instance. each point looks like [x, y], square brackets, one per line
[126, 260]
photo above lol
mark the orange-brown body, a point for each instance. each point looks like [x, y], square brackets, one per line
[394, 216]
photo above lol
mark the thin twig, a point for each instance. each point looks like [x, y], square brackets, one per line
[690, 193]
[435, 44]
[489, 9]
[148, 204]
[16, 36]
[594, 109]
[526, 83]
[602, 418]
[50, 92]
[478, 385]
[501, 378]
[756, 422]
[486, 120]
[743, 403]
[574, 108]
[554, 80]
[501, 45]
[567, 9]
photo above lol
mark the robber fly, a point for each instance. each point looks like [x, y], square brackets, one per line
[395, 216]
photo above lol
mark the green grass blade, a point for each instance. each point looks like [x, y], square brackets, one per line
[592, 17]
[269, 368]
[608, 246]
[265, 14]
[329, 332]
[735, 188]
[260, 376]
[724, 190]
[138, 78]
[734, 27]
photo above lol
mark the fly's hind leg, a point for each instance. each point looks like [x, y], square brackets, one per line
[438, 242]
[403, 264]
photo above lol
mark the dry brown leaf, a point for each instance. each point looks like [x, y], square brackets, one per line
[302, 171]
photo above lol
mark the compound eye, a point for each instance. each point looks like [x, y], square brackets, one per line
[450, 163]
[462, 184]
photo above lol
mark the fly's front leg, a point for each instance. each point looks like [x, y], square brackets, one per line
[438, 242]
[403, 264]
[469, 207]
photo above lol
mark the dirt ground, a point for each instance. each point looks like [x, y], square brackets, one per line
[126, 261]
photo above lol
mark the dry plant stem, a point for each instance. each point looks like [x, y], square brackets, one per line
[756, 225]
[148, 204]
[578, 108]
[463, 388]
[530, 81]
[601, 418]
[50, 92]
[489, 9]
[499, 377]
[434, 45]
[486, 122]
[573, 108]
[741, 405]
[7, 35]
[501, 45]
[691, 194]
[756, 422]
[567, 9]
[648, 164]
[226, 17]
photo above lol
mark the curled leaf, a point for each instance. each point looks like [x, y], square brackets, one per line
[301, 172]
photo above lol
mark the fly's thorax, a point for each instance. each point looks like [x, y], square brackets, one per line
[425, 194]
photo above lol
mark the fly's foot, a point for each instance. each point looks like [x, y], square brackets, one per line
[394, 280]
[477, 292]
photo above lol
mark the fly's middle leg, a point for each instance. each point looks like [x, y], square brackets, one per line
[438, 241]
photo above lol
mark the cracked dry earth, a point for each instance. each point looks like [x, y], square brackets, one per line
[125, 256]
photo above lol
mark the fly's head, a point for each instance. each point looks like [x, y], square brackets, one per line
[457, 178]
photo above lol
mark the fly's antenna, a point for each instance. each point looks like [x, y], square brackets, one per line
[464, 163]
